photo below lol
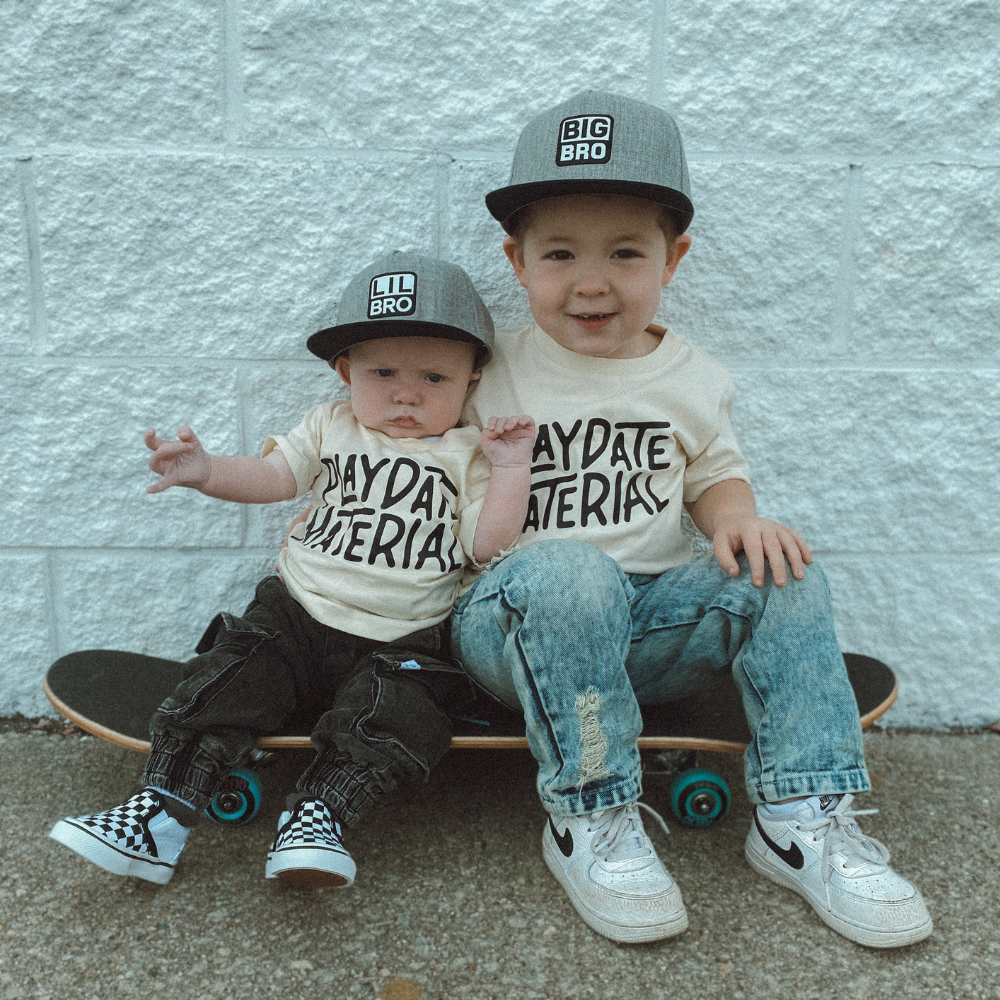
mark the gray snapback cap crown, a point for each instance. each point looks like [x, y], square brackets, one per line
[405, 294]
[598, 143]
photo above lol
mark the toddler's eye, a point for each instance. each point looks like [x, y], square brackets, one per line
[434, 378]
[383, 372]
[560, 255]
[626, 254]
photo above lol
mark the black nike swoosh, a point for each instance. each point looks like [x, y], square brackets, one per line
[792, 856]
[565, 841]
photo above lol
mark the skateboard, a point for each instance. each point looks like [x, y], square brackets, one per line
[113, 695]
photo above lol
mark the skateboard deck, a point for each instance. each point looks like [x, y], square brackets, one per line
[113, 695]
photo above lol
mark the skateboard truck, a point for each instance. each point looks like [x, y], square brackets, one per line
[698, 797]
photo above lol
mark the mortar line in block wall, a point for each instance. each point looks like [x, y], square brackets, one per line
[138, 551]
[232, 42]
[243, 443]
[987, 160]
[846, 280]
[980, 555]
[39, 323]
[657, 47]
[838, 156]
[224, 151]
[55, 604]
[442, 198]
[293, 366]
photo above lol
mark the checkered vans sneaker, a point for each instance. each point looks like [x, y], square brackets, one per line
[308, 850]
[136, 838]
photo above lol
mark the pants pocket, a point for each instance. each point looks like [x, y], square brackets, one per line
[233, 682]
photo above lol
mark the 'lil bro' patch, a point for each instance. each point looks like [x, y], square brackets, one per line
[392, 295]
[584, 139]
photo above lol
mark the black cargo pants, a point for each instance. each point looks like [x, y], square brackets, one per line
[380, 719]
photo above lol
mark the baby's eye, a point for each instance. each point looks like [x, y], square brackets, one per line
[383, 372]
[434, 378]
[560, 255]
[626, 253]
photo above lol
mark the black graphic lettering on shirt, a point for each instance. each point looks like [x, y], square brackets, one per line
[592, 453]
[333, 470]
[432, 547]
[566, 440]
[370, 472]
[618, 452]
[424, 499]
[391, 497]
[589, 507]
[630, 456]
[382, 546]
[348, 479]
[403, 518]
[543, 445]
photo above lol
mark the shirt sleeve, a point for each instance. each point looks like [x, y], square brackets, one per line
[301, 447]
[720, 458]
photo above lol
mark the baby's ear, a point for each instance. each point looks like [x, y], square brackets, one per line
[342, 366]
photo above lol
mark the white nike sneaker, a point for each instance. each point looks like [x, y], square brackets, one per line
[136, 838]
[820, 852]
[611, 873]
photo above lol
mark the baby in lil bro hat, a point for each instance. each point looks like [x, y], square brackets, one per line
[354, 632]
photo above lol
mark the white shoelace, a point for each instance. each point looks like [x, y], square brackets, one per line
[614, 828]
[841, 832]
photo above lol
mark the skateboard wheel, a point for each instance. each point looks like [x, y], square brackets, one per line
[237, 800]
[699, 797]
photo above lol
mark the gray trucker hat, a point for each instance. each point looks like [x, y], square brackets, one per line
[598, 143]
[408, 295]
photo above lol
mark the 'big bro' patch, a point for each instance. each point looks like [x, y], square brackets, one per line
[584, 139]
[392, 295]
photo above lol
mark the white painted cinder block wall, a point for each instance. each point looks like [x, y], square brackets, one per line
[185, 189]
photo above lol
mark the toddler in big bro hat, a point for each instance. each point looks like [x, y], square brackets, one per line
[601, 607]
[354, 632]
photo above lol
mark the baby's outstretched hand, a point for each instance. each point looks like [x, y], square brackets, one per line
[180, 463]
[507, 441]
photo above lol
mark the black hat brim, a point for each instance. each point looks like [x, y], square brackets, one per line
[334, 340]
[504, 202]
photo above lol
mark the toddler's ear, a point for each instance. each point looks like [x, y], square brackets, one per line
[515, 254]
[680, 247]
[342, 366]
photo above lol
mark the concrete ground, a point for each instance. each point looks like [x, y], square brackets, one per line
[453, 898]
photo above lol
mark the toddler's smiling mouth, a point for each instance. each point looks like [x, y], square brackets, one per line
[593, 320]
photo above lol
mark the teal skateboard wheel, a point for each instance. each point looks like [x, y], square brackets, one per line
[237, 800]
[699, 797]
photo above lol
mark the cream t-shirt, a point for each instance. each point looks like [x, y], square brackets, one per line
[620, 444]
[383, 550]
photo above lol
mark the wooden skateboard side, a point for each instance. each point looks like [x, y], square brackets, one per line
[95, 687]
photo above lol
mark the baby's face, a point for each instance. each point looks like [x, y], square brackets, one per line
[408, 387]
[593, 267]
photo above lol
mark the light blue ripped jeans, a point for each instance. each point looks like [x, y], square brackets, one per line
[560, 631]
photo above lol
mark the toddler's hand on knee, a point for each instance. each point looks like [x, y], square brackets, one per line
[765, 542]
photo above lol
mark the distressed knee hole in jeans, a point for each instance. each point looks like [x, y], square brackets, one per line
[592, 738]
